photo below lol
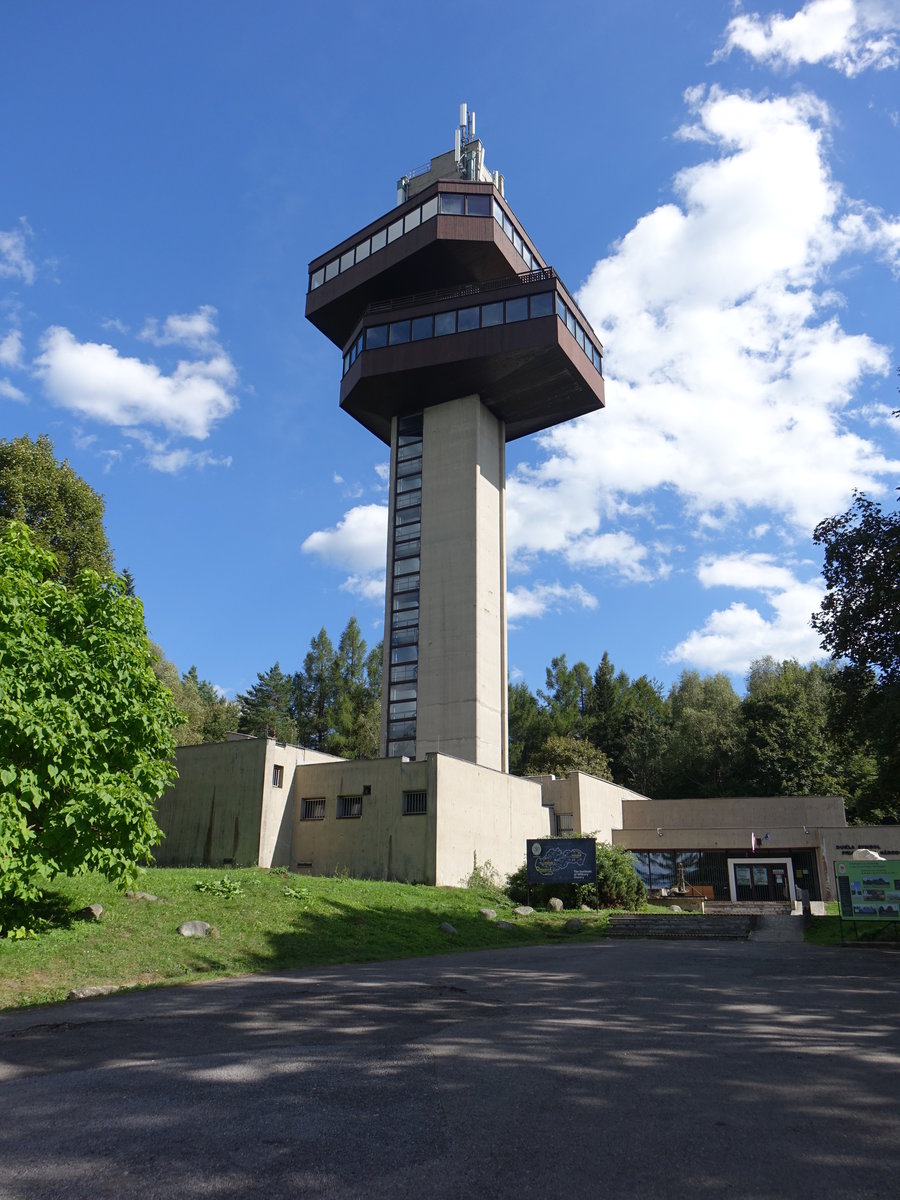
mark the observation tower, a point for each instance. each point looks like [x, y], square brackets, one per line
[457, 337]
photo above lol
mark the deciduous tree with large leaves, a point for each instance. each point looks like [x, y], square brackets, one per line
[63, 512]
[85, 726]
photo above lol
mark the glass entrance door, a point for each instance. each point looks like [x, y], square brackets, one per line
[762, 881]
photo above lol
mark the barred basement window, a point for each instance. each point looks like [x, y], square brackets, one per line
[414, 804]
[565, 823]
[349, 806]
[313, 810]
[278, 775]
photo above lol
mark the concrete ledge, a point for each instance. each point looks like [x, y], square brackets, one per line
[677, 925]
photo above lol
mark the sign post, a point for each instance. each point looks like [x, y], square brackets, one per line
[868, 890]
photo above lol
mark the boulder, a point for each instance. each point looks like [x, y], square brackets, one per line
[524, 910]
[197, 929]
[675, 908]
[446, 927]
[573, 925]
[93, 912]
[505, 925]
[141, 896]
[555, 904]
[99, 989]
[489, 914]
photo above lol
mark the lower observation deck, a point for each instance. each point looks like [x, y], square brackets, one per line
[519, 343]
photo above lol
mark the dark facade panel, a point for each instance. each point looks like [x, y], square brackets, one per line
[531, 375]
[447, 251]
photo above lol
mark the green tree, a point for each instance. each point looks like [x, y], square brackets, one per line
[859, 618]
[64, 513]
[859, 622]
[786, 723]
[607, 709]
[704, 754]
[562, 756]
[644, 737]
[357, 705]
[266, 707]
[85, 726]
[566, 696]
[315, 691]
[528, 726]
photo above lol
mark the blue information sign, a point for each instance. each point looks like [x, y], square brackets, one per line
[562, 860]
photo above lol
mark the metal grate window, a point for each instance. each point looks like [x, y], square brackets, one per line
[565, 823]
[414, 804]
[312, 810]
[349, 806]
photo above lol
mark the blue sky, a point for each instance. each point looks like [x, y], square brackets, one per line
[717, 182]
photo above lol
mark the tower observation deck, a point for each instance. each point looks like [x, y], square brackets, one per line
[457, 337]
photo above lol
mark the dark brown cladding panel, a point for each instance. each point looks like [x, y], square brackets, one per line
[447, 251]
[531, 375]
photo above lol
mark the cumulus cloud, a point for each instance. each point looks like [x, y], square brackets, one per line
[730, 380]
[849, 35]
[198, 330]
[731, 638]
[524, 602]
[94, 380]
[9, 391]
[356, 544]
[170, 460]
[12, 350]
[15, 262]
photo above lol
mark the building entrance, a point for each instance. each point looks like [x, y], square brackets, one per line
[768, 879]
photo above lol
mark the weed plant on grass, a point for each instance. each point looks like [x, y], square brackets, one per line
[266, 920]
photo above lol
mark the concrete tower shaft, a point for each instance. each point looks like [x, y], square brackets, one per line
[456, 338]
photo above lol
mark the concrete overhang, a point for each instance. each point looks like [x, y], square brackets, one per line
[447, 250]
[531, 375]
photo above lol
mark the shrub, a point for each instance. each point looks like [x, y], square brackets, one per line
[619, 883]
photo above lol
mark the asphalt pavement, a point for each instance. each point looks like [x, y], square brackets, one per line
[677, 1071]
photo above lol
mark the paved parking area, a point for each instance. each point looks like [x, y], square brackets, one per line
[641, 1069]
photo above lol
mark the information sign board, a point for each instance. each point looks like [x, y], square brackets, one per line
[562, 860]
[868, 891]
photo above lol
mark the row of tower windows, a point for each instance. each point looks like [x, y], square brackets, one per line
[476, 316]
[404, 639]
[449, 203]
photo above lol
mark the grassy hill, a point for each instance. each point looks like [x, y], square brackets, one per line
[265, 920]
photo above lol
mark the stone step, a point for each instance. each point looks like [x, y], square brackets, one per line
[678, 925]
[748, 908]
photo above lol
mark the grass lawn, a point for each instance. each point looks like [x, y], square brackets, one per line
[826, 931]
[325, 920]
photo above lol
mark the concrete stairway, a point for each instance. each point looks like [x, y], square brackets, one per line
[679, 925]
[749, 908]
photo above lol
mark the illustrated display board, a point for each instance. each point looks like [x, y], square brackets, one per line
[868, 891]
[562, 860]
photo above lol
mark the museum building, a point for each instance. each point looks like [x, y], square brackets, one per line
[457, 336]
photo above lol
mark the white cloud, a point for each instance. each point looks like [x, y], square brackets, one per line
[12, 350]
[197, 330]
[524, 602]
[730, 639]
[356, 544]
[10, 392]
[367, 587]
[849, 35]
[727, 388]
[164, 457]
[14, 260]
[95, 381]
